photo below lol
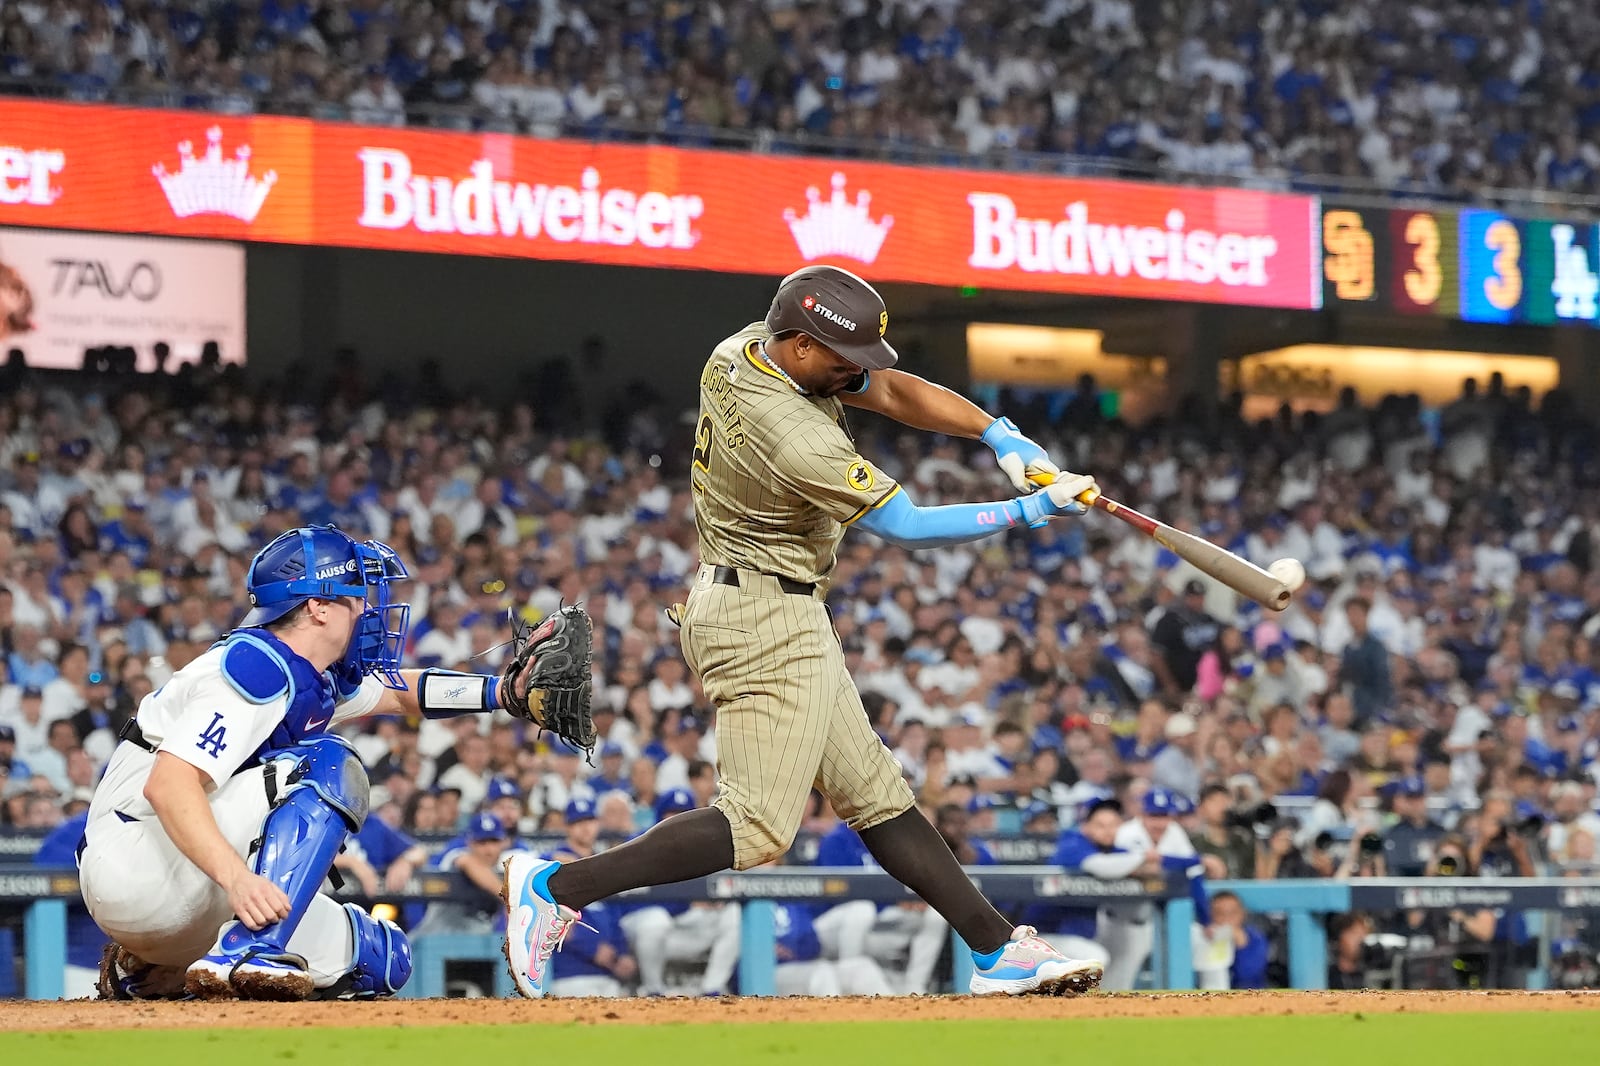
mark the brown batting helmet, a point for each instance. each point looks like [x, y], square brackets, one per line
[839, 309]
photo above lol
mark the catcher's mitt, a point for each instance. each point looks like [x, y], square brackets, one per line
[553, 692]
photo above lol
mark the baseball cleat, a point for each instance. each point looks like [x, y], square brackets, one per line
[239, 967]
[536, 924]
[123, 975]
[1029, 966]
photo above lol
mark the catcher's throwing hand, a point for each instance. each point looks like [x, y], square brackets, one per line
[546, 678]
[256, 901]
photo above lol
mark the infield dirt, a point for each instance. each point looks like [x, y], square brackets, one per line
[87, 1014]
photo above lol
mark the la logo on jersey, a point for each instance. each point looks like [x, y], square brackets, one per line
[212, 737]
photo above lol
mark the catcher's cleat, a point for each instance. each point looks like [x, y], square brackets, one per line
[1029, 966]
[239, 967]
[123, 975]
[535, 923]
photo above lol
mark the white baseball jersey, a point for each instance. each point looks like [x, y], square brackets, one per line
[202, 719]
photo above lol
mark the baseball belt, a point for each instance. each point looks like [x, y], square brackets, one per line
[727, 575]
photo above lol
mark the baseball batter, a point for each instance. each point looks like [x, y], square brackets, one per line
[777, 480]
[225, 804]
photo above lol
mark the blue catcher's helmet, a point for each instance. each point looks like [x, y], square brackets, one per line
[325, 562]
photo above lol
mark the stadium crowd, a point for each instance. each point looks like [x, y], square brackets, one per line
[1446, 97]
[1427, 706]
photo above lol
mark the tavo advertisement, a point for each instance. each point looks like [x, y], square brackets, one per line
[61, 293]
[277, 179]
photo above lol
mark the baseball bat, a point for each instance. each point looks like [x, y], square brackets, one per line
[1239, 574]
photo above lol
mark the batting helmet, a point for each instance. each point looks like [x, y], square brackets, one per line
[838, 308]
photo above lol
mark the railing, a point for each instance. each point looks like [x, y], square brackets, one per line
[44, 894]
[471, 118]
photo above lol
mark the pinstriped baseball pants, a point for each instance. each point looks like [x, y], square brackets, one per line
[788, 715]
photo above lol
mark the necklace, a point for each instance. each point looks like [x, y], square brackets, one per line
[761, 350]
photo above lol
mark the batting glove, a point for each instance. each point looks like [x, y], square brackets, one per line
[1018, 456]
[1057, 501]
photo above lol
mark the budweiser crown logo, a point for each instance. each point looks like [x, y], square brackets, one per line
[212, 185]
[836, 226]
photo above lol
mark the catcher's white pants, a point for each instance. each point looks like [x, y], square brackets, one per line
[592, 985]
[147, 896]
[911, 932]
[859, 976]
[705, 932]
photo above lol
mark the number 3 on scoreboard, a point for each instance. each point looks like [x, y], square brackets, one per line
[702, 444]
[1504, 289]
[1424, 280]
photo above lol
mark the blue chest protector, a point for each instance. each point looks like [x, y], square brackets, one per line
[261, 668]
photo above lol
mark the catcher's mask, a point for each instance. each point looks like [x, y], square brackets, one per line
[325, 562]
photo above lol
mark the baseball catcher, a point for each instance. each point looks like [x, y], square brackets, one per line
[222, 810]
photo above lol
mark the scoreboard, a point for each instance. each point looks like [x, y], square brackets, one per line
[1477, 265]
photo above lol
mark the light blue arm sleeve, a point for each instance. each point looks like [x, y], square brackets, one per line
[899, 521]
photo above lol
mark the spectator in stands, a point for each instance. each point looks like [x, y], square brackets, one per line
[1250, 945]
[1347, 965]
[1182, 636]
[1227, 850]
[1175, 766]
[1365, 665]
[476, 863]
[1409, 844]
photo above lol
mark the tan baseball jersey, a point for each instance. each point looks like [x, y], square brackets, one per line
[776, 476]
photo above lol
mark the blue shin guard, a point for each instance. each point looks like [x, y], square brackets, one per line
[322, 796]
[380, 959]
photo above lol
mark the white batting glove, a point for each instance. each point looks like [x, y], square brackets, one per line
[1057, 500]
[1023, 461]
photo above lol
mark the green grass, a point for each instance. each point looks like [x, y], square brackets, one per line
[1349, 1040]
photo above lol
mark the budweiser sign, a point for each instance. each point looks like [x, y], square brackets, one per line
[653, 206]
[480, 204]
[27, 175]
[1002, 238]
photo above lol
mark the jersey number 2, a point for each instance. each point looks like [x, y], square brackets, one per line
[702, 444]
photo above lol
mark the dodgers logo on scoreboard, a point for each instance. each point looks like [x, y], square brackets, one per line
[1563, 283]
[1575, 284]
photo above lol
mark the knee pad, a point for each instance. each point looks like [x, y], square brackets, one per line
[380, 959]
[331, 769]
